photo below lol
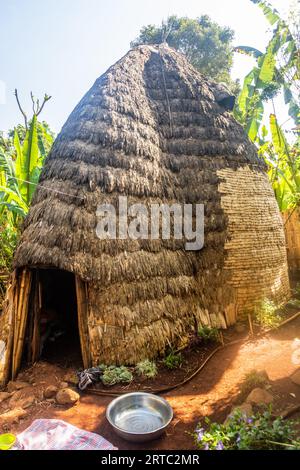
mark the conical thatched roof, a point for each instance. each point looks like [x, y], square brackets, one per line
[151, 128]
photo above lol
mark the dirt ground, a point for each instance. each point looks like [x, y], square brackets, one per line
[211, 393]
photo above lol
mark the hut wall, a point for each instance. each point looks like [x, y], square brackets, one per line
[292, 234]
[256, 252]
[124, 328]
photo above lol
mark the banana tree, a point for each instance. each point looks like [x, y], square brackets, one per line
[20, 169]
[278, 68]
[283, 160]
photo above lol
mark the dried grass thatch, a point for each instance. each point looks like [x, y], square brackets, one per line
[151, 128]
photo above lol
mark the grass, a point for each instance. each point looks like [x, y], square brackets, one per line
[208, 334]
[253, 380]
[146, 368]
[267, 315]
[173, 360]
[113, 375]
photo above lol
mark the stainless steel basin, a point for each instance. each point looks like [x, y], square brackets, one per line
[138, 416]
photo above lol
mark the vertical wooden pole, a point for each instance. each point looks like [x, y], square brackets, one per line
[82, 313]
[22, 313]
[250, 324]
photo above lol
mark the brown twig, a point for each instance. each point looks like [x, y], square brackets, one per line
[20, 108]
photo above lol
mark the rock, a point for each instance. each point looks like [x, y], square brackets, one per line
[63, 385]
[67, 396]
[16, 385]
[259, 396]
[12, 416]
[4, 396]
[18, 401]
[27, 402]
[71, 378]
[295, 377]
[245, 409]
[15, 398]
[51, 401]
[50, 391]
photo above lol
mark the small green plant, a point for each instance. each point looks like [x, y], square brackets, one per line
[146, 368]
[173, 360]
[208, 334]
[294, 303]
[253, 380]
[297, 288]
[267, 314]
[260, 431]
[113, 375]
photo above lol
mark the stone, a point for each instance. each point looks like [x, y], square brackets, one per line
[63, 385]
[16, 385]
[67, 396]
[18, 401]
[12, 416]
[16, 396]
[295, 377]
[259, 396]
[245, 409]
[4, 396]
[50, 391]
[26, 402]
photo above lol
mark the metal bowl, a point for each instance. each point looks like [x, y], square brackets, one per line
[138, 416]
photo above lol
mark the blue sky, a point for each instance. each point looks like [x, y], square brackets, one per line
[61, 46]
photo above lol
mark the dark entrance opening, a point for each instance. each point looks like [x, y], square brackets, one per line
[57, 319]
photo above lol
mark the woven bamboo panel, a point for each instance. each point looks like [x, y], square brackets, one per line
[292, 234]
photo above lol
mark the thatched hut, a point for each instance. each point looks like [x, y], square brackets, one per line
[154, 129]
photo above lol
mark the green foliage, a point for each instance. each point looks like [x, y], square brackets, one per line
[113, 375]
[146, 368]
[277, 70]
[22, 154]
[283, 161]
[208, 334]
[206, 45]
[267, 315]
[173, 360]
[260, 432]
[253, 379]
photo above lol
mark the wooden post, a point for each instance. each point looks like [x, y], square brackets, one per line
[22, 313]
[250, 324]
[82, 312]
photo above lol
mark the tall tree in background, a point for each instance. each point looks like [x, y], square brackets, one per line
[207, 45]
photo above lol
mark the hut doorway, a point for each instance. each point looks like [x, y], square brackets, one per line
[52, 331]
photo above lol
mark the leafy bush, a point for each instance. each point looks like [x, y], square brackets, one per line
[173, 360]
[113, 375]
[146, 368]
[208, 334]
[260, 431]
[294, 303]
[267, 314]
[252, 380]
